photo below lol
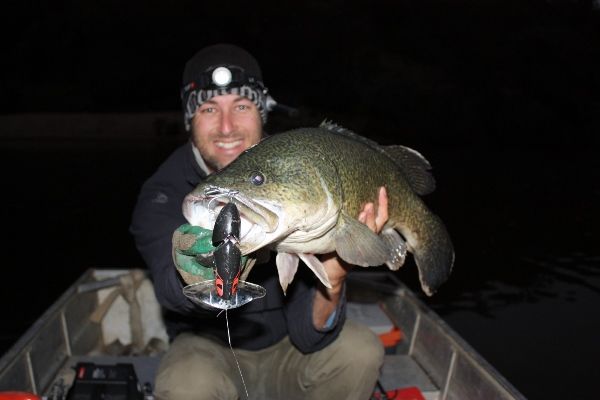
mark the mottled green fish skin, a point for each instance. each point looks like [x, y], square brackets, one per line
[293, 164]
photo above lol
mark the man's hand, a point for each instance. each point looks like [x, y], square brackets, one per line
[188, 243]
[375, 218]
[326, 300]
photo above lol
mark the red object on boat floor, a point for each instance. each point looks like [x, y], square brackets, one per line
[409, 393]
[19, 396]
[391, 338]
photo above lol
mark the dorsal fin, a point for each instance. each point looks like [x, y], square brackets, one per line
[415, 167]
[340, 130]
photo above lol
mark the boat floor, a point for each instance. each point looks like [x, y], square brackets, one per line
[93, 314]
[399, 370]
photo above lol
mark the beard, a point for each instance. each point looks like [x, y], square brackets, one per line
[213, 164]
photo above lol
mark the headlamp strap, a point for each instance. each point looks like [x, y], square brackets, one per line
[238, 79]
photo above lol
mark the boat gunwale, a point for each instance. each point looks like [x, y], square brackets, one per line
[458, 345]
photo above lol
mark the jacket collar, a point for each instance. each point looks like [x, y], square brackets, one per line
[194, 172]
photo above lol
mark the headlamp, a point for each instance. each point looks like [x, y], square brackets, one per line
[221, 76]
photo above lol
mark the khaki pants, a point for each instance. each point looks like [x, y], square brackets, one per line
[198, 368]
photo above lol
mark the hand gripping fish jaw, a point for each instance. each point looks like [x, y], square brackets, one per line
[226, 290]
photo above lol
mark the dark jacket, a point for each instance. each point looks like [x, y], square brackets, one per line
[257, 325]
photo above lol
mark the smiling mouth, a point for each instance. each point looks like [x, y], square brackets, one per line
[228, 145]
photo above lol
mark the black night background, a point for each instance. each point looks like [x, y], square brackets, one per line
[502, 97]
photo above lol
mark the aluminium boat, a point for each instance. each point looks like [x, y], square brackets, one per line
[109, 322]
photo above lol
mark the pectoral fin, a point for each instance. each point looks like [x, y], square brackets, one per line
[356, 244]
[287, 265]
[396, 248]
[317, 267]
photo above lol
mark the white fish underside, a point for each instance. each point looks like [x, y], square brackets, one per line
[293, 239]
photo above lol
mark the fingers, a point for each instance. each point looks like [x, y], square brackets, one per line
[185, 242]
[382, 209]
[193, 243]
[367, 216]
[375, 219]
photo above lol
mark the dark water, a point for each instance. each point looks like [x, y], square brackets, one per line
[524, 293]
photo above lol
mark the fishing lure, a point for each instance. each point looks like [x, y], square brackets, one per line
[227, 256]
[226, 291]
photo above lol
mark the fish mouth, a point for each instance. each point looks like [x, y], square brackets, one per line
[257, 220]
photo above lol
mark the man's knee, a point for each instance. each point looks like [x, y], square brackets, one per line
[348, 368]
[359, 347]
[195, 374]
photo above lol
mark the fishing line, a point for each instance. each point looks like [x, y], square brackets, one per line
[234, 356]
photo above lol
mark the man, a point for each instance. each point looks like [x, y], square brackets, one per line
[293, 346]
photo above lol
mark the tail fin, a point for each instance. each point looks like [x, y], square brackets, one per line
[434, 254]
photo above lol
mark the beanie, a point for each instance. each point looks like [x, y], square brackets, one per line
[222, 69]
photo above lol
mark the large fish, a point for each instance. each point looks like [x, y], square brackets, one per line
[300, 192]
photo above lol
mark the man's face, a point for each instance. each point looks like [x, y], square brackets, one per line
[223, 127]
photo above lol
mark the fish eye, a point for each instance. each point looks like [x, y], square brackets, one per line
[257, 179]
